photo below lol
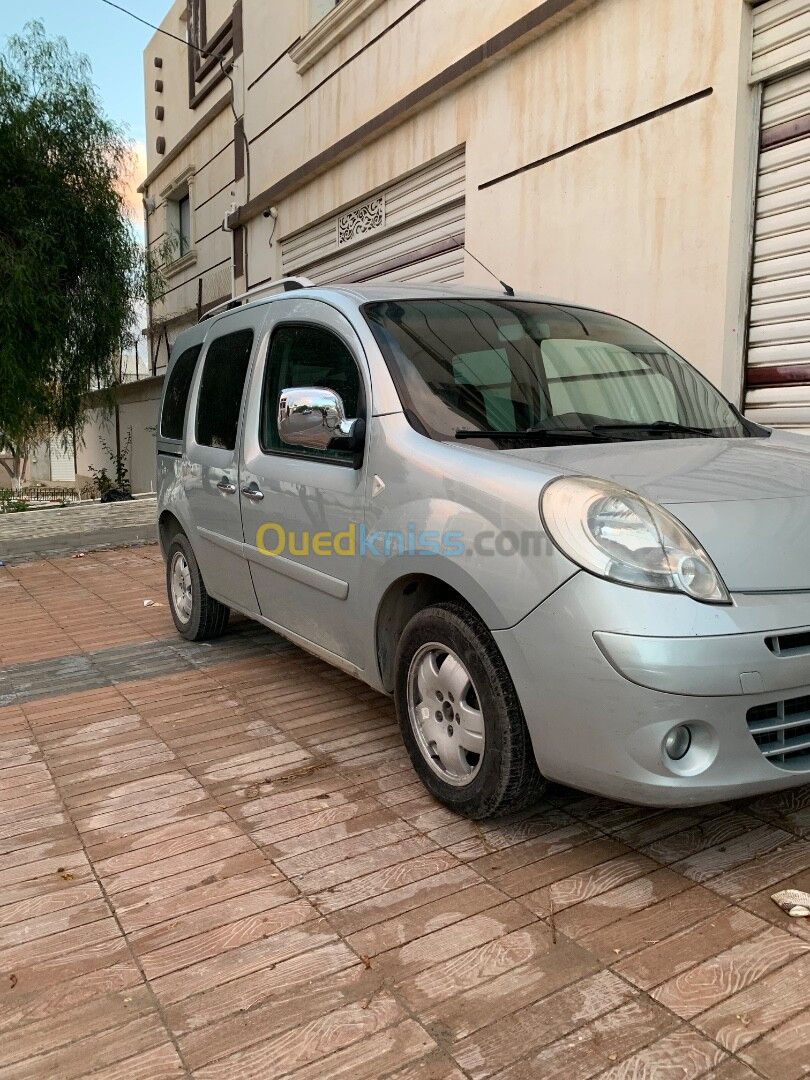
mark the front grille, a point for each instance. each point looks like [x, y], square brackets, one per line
[789, 644]
[781, 729]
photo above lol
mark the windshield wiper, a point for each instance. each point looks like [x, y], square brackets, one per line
[538, 435]
[662, 427]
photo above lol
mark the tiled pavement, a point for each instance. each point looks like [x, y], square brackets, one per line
[216, 862]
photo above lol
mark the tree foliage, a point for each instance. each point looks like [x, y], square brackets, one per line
[71, 268]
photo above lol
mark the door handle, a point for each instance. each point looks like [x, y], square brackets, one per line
[226, 486]
[253, 492]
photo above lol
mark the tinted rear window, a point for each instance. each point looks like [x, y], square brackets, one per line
[176, 396]
[221, 388]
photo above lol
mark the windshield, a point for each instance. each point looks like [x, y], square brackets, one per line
[521, 371]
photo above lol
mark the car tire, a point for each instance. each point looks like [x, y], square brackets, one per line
[471, 749]
[197, 616]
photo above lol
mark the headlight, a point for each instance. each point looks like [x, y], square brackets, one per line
[624, 537]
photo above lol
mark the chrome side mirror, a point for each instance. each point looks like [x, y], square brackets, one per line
[313, 417]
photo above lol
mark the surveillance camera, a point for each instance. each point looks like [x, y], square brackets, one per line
[149, 204]
[271, 211]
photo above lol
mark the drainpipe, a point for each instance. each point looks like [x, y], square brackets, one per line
[229, 75]
[148, 295]
[227, 228]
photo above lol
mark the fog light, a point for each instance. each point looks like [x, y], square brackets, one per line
[677, 742]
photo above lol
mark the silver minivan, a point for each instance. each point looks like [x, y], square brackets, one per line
[551, 540]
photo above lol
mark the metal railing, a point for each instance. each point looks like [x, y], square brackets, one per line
[39, 494]
[270, 288]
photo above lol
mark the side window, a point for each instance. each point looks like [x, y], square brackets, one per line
[221, 388]
[176, 396]
[308, 356]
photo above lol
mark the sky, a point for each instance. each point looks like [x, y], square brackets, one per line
[114, 43]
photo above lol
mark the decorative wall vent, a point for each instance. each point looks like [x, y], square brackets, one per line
[361, 220]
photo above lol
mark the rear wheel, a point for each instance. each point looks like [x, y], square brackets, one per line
[196, 615]
[460, 716]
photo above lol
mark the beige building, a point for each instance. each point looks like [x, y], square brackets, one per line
[651, 157]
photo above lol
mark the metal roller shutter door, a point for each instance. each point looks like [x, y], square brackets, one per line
[781, 38]
[411, 231]
[778, 375]
[63, 467]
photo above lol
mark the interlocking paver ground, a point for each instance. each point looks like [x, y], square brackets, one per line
[215, 861]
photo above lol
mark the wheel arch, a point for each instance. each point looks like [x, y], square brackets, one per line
[402, 599]
[168, 527]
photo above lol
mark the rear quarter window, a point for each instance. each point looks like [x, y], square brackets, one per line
[221, 388]
[176, 397]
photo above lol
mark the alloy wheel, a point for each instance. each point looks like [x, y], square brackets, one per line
[445, 714]
[182, 597]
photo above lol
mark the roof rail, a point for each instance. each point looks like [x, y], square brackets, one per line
[285, 284]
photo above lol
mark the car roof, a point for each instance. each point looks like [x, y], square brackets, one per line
[370, 291]
[367, 292]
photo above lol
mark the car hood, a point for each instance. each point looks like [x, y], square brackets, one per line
[746, 500]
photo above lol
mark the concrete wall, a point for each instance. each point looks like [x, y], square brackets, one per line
[178, 118]
[39, 467]
[37, 471]
[138, 409]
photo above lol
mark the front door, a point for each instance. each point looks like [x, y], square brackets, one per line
[303, 509]
[211, 466]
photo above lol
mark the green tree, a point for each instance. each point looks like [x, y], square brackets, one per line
[71, 268]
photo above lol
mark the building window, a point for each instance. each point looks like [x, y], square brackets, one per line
[179, 235]
[184, 225]
[320, 8]
[195, 24]
[207, 44]
[178, 222]
[330, 21]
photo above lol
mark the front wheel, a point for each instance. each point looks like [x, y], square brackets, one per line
[196, 615]
[460, 716]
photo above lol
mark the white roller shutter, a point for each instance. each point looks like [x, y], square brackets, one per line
[63, 466]
[781, 38]
[411, 231]
[778, 377]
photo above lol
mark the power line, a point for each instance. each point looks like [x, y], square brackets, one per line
[160, 30]
[202, 52]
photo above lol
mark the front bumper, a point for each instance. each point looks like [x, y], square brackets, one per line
[605, 672]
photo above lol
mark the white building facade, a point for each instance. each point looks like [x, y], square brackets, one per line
[650, 157]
